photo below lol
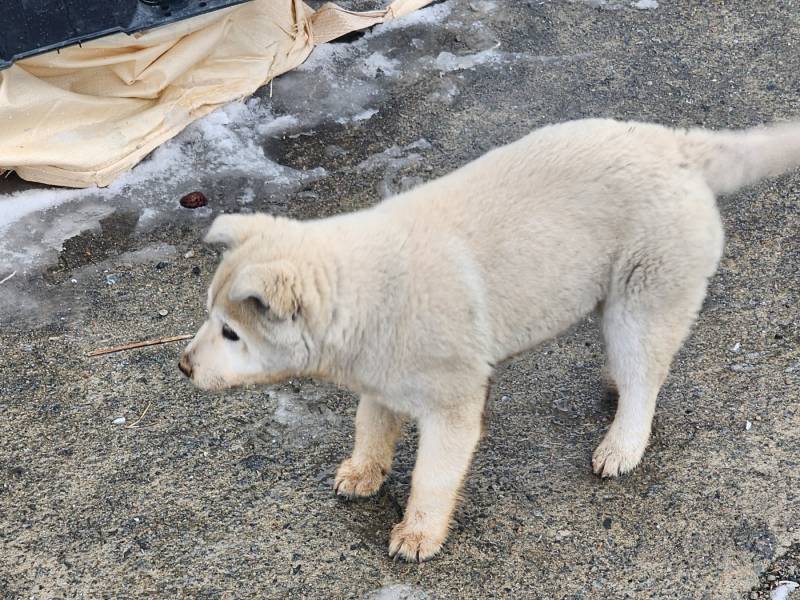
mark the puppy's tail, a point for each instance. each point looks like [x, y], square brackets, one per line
[730, 160]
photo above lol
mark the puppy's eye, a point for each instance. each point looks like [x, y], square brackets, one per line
[229, 334]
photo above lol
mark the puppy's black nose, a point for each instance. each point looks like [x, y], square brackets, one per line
[184, 366]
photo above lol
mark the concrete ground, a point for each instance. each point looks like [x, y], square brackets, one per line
[229, 495]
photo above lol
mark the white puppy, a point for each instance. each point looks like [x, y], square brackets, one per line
[412, 302]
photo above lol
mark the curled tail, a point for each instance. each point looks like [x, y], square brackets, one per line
[730, 160]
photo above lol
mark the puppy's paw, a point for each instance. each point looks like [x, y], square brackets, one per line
[355, 481]
[613, 458]
[413, 543]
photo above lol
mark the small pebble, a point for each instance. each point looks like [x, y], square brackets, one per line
[193, 200]
[195, 270]
[189, 254]
[119, 421]
[505, 398]
[747, 426]
[163, 312]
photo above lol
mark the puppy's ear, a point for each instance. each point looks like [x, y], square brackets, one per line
[273, 286]
[232, 230]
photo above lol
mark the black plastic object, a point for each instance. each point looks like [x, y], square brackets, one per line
[30, 27]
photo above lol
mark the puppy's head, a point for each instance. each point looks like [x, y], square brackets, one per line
[256, 330]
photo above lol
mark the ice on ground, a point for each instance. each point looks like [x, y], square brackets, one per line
[228, 143]
[484, 6]
[431, 15]
[393, 160]
[363, 116]
[340, 83]
[277, 126]
[395, 156]
[378, 63]
[784, 590]
[447, 61]
[302, 417]
[618, 4]
[398, 591]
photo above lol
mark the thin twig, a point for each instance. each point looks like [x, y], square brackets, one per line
[141, 416]
[7, 277]
[131, 346]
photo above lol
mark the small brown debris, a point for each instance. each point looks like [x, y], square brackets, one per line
[194, 200]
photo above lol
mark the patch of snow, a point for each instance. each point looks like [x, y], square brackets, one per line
[483, 6]
[645, 4]
[431, 15]
[395, 156]
[447, 61]
[277, 126]
[393, 160]
[398, 591]
[152, 253]
[338, 83]
[12, 209]
[325, 57]
[228, 142]
[376, 62]
[365, 115]
[303, 418]
[247, 197]
[446, 93]
[783, 590]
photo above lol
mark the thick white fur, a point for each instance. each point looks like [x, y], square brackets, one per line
[412, 302]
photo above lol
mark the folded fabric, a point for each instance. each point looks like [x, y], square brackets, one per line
[82, 116]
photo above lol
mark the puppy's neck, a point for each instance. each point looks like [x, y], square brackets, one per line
[356, 294]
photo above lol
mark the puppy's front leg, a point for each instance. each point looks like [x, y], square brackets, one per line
[377, 430]
[447, 440]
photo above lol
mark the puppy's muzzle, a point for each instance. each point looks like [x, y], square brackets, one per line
[185, 366]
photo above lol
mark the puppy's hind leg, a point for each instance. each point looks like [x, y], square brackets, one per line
[644, 324]
[377, 430]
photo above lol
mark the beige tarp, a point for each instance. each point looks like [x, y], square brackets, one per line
[82, 116]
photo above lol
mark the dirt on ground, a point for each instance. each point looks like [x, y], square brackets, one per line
[229, 495]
